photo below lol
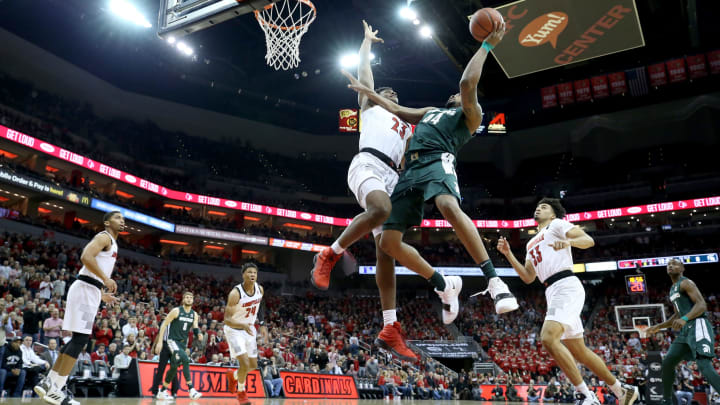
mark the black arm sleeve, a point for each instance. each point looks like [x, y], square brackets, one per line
[261, 314]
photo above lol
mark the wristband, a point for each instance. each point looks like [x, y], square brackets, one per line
[685, 318]
[486, 46]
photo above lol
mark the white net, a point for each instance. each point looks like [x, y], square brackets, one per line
[284, 23]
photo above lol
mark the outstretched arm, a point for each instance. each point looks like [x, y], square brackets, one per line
[471, 78]
[411, 115]
[365, 74]
[526, 272]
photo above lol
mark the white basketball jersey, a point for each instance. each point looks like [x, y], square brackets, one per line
[385, 132]
[248, 305]
[105, 259]
[546, 260]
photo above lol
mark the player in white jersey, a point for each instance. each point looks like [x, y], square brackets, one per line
[83, 302]
[241, 311]
[549, 258]
[372, 177]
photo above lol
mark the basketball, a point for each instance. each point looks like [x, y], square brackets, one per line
[483, 22]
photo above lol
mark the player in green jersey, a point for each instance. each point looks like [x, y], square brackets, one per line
[174, 332]
[695, 339]
[429, 175]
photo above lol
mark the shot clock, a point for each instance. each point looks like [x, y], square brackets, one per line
[635, 284]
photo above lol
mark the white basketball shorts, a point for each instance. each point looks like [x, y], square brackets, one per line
[241, 342]
[367, 173]
[83, 302]
[565, 301]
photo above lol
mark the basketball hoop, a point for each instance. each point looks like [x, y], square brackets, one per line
[284, 23]
[641, 329]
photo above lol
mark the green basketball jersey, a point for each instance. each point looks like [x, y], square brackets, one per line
[680, 300]
[440, 130]
[180, 327]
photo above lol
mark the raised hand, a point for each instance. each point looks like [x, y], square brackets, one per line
[503, 246]
[496, 36]
[370, 34]
[355, 84]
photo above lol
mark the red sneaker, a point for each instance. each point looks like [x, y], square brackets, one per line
[392, 339]
[232, 381]
[242, 398]
[324, 263]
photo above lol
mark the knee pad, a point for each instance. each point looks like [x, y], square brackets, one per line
[76, 344]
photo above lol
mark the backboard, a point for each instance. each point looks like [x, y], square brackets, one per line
[181, 17]
[630, 317]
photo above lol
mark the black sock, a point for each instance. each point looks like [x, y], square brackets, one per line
[437, 281]
[488, 269]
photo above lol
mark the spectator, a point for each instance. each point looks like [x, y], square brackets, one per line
[52, 326]
[31, 321]
[99, 354]
[103, 334]
[45, 290]
[112, 352]
[498, 394]
[122, 360]
[51, 354]
[13, 364]
[684, 392]
[511, 393]
[372, 367]
[215, 360]
[271, 377]
[130, 328]
[34, 365]
[533, 394]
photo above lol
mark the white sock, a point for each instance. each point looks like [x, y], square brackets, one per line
[617, 388]
[336, 248]
[389, 317]
[583, 389]
[57, 380]
[241, 387]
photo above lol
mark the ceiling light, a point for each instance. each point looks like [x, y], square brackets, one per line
[127, 11]
[408, 13]
[349, 60]
[426, 31]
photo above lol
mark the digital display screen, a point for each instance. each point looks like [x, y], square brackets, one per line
[635, 284]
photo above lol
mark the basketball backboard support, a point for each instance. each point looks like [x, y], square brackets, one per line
[178, 18]
[631, 317]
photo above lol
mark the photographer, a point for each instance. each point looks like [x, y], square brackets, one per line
[271, 377]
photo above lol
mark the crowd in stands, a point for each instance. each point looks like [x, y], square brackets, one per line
[191, 163]
[308, 332]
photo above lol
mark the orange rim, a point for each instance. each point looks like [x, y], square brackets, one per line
[293, 28]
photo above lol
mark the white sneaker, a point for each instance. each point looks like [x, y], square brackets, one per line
[58, 397]
[164, 395]
[500, 293]
[629, 395]
[43, 387]
[194, 394]
[581, 399]
[449, 298]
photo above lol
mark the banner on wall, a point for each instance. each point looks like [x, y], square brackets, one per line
[582, 90]
[676, 70]
[657, 74]
[549, 97]
[208, 380]
[348, 120]
[565, 92]
[618, 85]
[311, 385]
[600, 87]
[449, 349]
[696, 66]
